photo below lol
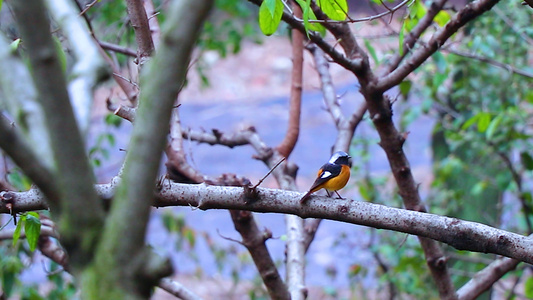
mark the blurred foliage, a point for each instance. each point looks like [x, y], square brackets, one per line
[229, 259]
[99, 151]
[482, 141]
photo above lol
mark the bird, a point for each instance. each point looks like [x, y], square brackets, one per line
[332, 176]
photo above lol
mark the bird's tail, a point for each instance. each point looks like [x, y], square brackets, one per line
[304, 198]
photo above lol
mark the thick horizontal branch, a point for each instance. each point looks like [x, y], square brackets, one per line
[463, 235]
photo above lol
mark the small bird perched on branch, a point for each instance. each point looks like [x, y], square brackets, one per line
[332, 176]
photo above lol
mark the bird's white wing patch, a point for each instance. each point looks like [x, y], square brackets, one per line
[326, 174]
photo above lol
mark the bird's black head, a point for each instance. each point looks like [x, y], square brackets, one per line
[340, 158]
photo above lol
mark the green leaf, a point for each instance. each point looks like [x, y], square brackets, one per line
[418, 11]
[470, 122]
[363, 191]
[528, 287]
[401, 37]
[478, 188]
[190, 235]
[442, 18]
[19, 180]
[32, 229]
[527, 160]
[271, 5]
[268, 20]
[372, 51]
[14, 45]
[493, 126]
[18, 229]
[10, 267]
[335, 9]
[61, 54]
[405, 88]
[440, 61]
[113, 120]
[483, 122]
[307, 15]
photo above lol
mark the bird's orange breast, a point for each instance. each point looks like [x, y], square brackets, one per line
[338, 182]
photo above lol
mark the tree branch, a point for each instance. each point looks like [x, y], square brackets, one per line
[254, 240]
[463, 235]
[88, 69]
[129, 89]
[80, 227]
[155, 30]
[216, 137]
[161, 80]
[338, 57]
[177, 289]
[346, 127]
[143, 36]
[14, 145]
[293, 131]
[468, 13]
[20, 100]
[490, 62]
[345, 37]
[178, 169]
[117, 48]
[412, 37]
[485, 279]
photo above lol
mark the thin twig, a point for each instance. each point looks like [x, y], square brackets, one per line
[269, 172]
[493, 62]
[117, 48]
[365, 19]
[87, 7]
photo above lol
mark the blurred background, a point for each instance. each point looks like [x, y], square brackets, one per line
[468, 124]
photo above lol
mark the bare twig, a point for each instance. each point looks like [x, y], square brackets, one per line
[466, 14]
[216, 137]
[517, 178]
[117, 48]
[254, 240]
[489, 61]
[143, 36]
[129, 89]
[88, 68]
[269, 172]
[152, 21]
[178, 168]
[87, 7]
[125, 112]
[177, 289]
[14, 145]
[485, 278]
[412, 37]
[293, 131]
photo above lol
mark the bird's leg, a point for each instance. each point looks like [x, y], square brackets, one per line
[340, 197]
[329, 195]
